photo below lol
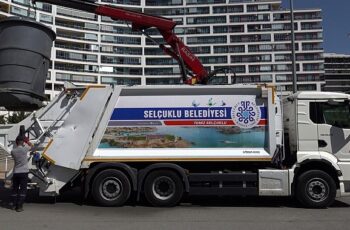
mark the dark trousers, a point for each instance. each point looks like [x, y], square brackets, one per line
[19, 188]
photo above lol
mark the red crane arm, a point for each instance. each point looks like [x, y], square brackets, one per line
[141, 21]
[191, 61]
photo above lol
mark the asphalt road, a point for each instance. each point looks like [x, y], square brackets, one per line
[204, 213]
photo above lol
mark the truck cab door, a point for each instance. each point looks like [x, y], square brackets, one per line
[333, 124]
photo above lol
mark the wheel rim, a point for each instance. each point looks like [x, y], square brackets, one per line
[163, 188]
[317, 189]
[111, 188]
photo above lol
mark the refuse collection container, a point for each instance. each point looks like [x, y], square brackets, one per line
[25, 52]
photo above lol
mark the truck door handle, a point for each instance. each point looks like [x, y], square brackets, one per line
[322, 143]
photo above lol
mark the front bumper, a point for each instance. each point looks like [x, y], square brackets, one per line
[344, 189]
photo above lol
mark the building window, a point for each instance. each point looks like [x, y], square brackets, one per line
[192, 2]
[163, 81]
[124, 2]
[206, 20]
[76, 78]
[120, 80]
[45, 18]
[207, 40]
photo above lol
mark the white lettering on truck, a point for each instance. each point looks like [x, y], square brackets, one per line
[190, 113]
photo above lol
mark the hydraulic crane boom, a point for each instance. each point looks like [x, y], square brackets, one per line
[140, 21]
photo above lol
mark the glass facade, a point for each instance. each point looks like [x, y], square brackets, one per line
[246, 38]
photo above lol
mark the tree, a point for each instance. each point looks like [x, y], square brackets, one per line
[13, 118]
[2, 119]
[17, 117]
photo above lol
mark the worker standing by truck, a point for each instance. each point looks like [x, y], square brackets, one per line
[20, 172]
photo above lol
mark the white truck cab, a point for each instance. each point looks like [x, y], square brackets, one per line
[317, 127]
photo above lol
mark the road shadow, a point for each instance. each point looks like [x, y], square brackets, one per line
[71, 196]
[234, 201]
[74, 196]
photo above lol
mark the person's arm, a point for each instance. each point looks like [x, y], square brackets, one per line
[28, 145]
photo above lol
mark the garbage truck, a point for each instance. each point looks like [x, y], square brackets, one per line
[121, 143]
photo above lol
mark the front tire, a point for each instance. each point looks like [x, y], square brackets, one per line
[315, 189]
[163, 188]
[111, 187]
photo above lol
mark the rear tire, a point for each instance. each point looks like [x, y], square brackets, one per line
[111, 187]
[163, 188]
[316, 189]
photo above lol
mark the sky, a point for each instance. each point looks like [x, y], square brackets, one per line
[336, 22]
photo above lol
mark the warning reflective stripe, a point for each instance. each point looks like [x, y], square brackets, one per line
[262, 122]
[45, 150]
[88, 88]
[49, 159]
[47, 147]
[167, 159]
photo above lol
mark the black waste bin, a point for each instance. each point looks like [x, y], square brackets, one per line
[25, 52]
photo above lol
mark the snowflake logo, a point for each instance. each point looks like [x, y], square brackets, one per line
[246, 114]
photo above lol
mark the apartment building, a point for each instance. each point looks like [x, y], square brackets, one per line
[249, 40]
[337, 72]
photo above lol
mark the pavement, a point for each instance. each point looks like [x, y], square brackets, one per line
[195, 213]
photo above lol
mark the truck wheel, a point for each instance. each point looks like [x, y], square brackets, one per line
[163, 188]
[315, 189]
[111, 187]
